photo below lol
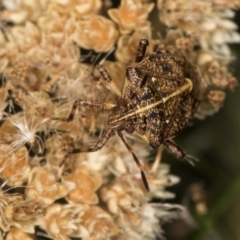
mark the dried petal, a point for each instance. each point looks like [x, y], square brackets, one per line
[16, 234]
[91, 33]
[19, 212]
[14, 165]
[99, 223]
[87, 182]
[131, 15]
[43, 184]
[62, 221]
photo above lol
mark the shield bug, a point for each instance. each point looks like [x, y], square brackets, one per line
[156, 103]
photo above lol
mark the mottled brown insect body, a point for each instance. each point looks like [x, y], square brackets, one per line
[163, 105]
[156, 102]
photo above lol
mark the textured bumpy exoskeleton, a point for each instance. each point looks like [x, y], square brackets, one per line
[156, 102]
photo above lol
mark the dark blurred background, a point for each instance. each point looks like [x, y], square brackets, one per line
[211, 189]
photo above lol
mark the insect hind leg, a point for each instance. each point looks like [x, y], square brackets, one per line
[178, 153]
[140, 166]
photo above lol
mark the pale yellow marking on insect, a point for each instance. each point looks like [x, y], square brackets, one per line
[108, 106]
[143, 109]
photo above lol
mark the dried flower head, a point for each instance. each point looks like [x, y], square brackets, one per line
[14, 166]
[19, 212]
[63, 221]
[47, 62]
[80, 6]
[15, 234]
[91, 33]
[87, 182]
[207, 21]
[26, 132]
[131, 15]
[100, 224]
[22, 11]
[25, 37]
[43, 184]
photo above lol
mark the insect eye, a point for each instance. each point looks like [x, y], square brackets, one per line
[121, 102]
[130, 129]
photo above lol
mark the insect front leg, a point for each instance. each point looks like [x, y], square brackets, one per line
[80, 102]
[100, 143]
[140, 166]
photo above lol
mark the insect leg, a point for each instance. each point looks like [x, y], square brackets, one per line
[100, 143]
[106, 76]
[142, 46]
[174, 149]
[80, 102]
[144, 179]
[178, 153]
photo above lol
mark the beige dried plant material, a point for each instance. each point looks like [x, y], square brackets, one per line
[131, 15]
[208, 22]
[25, 76]
[43, 184]
[160, 179]
[16, 234]
[220, 76]
[19, 212]
[122, 199]
[99, 224]
[82, 7]
[57, 147]
[63, 221]
[38, 104]
[91, 33]
[25, 37]
[87, 183]
[22, 11]
[14, 165]
[19, 130]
